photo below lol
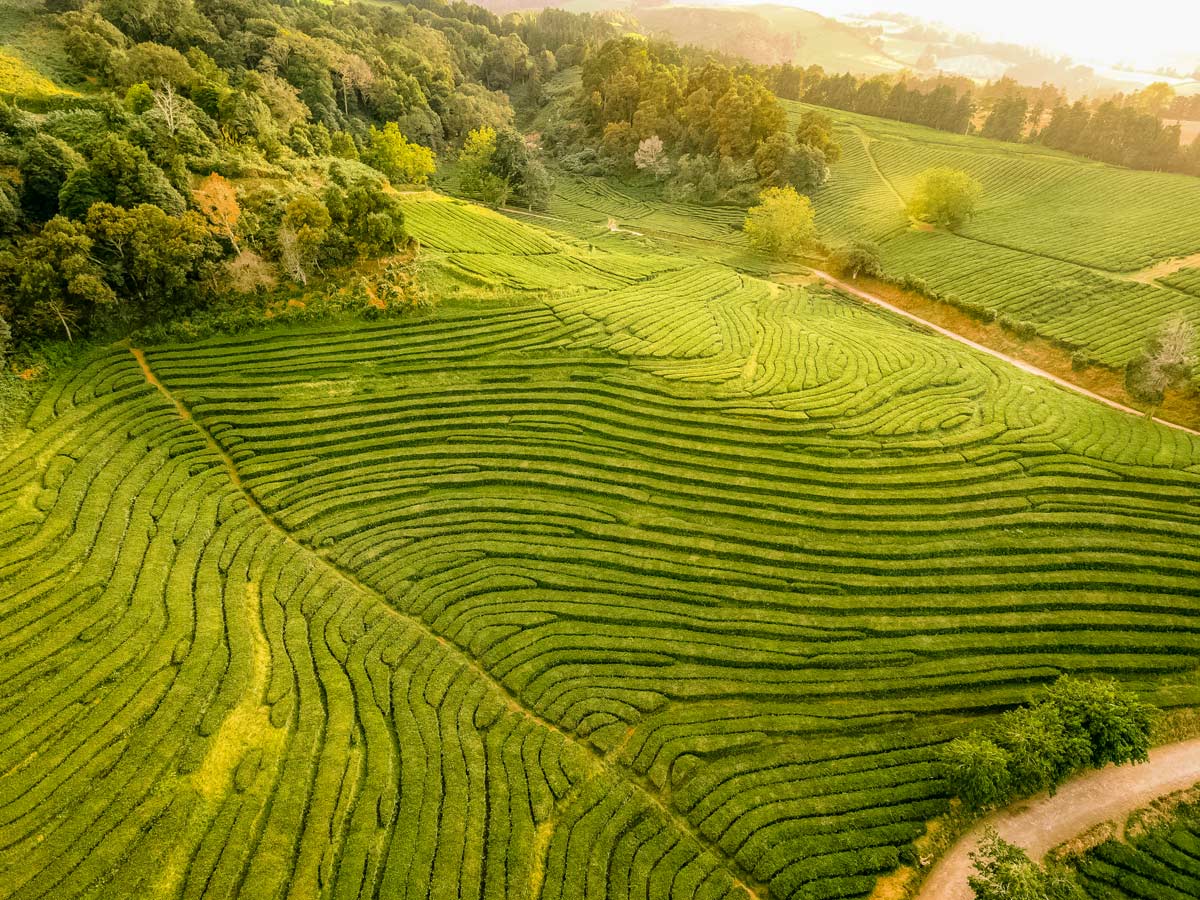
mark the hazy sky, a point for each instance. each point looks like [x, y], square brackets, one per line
[1144, 32]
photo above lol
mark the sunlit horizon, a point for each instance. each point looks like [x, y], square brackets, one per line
[1154, 34]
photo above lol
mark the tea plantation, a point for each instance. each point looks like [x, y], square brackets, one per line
[1057, 241]
[1161, 862]
[620, 575]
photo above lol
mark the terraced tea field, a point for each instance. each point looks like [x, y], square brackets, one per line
[1057, 241]
[1161, 863]
[631, 576]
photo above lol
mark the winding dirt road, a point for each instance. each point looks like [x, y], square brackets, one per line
[1011, 360]
[1044, 822]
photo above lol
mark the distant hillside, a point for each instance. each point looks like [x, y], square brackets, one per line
[773, 34]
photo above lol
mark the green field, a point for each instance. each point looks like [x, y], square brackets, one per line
[1057, 241]
[1160, 862]
[620, 575]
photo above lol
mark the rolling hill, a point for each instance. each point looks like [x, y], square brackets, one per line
[622, 573]
[1092, 255]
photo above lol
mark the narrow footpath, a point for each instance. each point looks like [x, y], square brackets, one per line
[1012, 360]
[1043, 822]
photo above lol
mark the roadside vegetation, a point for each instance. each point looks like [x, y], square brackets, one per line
[1077, 724]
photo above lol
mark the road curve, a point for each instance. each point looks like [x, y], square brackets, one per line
[1012, 360]
[1043, 822]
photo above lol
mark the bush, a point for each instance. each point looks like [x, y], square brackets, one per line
[858, 258]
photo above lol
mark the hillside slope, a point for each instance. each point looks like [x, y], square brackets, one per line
[1069, 245]
[619, 575]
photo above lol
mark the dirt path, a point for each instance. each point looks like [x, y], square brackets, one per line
[1044, 822]
[1164, 268]
[1012, 360]
[866, 142]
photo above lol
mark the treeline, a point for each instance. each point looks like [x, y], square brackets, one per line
[1121, 135]
[236, 146]
[1125, 131]
[710, 132]
[942, 103]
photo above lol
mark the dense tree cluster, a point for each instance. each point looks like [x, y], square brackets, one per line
[715, 133]
[234, 143]
[1078, 723]
[1122, 135]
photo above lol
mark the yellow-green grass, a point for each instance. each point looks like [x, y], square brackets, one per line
[35, 67]
[20, 82]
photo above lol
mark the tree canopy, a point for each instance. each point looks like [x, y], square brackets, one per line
[1076, 723]
[944, 197]
[1003, 871]
[781, 225]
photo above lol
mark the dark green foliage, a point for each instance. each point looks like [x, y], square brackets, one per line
[1114, 721]
[781, 162]
[1006, 121]
[162, 263]
[45, 164]
[10, 209]
[633, 90]
[1077, 723]
[858, 258]
[948, 107]
[1004, 871]
[5, 340]
[977, 770]
[52, 283]
[121, 174]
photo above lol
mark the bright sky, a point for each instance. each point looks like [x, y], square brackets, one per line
[1146, 32]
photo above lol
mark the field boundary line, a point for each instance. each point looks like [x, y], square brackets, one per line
[605, 762]
[866, 143]
[1026, 367]
[1041, 823]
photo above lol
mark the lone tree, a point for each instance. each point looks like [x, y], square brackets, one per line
[1004, 871]
[944, 197]
[1165, 363]
[858, 258]
[650, 157]
[782, 223]
[217, 199]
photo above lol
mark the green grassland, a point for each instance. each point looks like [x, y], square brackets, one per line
[1057, 241]
[1159, 862]
[621, 574]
